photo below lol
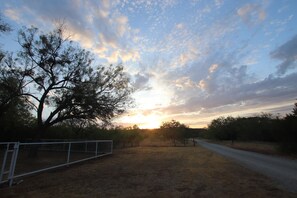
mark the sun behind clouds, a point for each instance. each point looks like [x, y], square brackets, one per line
[150, 121]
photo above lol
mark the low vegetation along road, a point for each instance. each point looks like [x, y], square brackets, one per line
[283, 171]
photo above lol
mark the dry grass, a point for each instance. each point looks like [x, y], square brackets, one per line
[268, 148]
[260, 147]
[150, 172]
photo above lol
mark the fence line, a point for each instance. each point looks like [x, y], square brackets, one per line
[16, 156]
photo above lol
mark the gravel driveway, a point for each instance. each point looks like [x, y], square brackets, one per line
[283, 171]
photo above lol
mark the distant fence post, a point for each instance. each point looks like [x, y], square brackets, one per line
[69, 149]
[96, 151]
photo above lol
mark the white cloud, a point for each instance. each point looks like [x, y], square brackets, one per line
[95, 25]
[180, 26]
[184, 83]
[252, 13]
[213, 68]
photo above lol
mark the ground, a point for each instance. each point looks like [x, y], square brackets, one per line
[268, 148]
[150, 172]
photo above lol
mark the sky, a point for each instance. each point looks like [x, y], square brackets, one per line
[188, 60]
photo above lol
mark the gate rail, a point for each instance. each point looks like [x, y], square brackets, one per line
[73, 152]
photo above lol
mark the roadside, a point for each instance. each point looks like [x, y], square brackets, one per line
[150, 172]
[283, 171]
[267, 148]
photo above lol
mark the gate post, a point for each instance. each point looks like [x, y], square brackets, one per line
[13, 163]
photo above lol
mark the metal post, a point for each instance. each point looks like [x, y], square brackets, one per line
[13, 163]
[4, 162]
[69, 149]
[96, 152]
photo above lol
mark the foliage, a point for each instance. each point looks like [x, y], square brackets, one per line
[4, 28]
[223, 128]
[121, 137]
[258, 128]
[57, 73]
[17, 121]
[288, 138]
[173, 130]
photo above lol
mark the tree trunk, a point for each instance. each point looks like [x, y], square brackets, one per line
[33, 150]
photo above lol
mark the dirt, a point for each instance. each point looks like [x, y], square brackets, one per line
[150, 172]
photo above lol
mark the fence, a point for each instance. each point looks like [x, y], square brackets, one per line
[22, 159]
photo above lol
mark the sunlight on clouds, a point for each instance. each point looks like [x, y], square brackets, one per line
[213, 68]
[252, 13]
[184, 82]
[188, 60]
[149, 121]
[122, 25]
[13, 14]
[202, 84]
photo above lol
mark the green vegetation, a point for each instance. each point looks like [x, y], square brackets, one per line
[258, 128]
[173, 131]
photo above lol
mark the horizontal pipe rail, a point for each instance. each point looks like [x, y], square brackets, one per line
[15, 148]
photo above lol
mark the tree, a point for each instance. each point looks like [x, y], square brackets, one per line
[173, 130]
[10, 81]
[289, 136]
[11, 85]
[15, 116]
[16, 121]
[294, 111]
[223, 128]
[4, 28]
[62, 83]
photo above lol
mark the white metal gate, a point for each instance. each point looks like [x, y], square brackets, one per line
[14, 153]
[9, 161]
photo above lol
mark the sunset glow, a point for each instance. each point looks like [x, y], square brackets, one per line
[191, 61]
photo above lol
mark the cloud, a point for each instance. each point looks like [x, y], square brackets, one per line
[252, 13]
[180, 26]
[141, 81]
[184, 83]
[287, 53]
[12, 14]
[271, 90]
[213, 68]
[97, 26]
[219, 3]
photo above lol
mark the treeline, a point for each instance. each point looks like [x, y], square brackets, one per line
[177, 132]
[19, 128]
[265, 127]
[122, 137]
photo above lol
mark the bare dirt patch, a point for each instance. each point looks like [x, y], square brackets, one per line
[150, 172]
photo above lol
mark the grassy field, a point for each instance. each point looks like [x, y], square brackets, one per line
[150, 172]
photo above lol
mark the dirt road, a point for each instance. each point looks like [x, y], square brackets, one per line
[283, 171]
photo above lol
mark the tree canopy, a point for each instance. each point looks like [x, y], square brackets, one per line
[61, 82]
[172, 124]
[173, 130]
